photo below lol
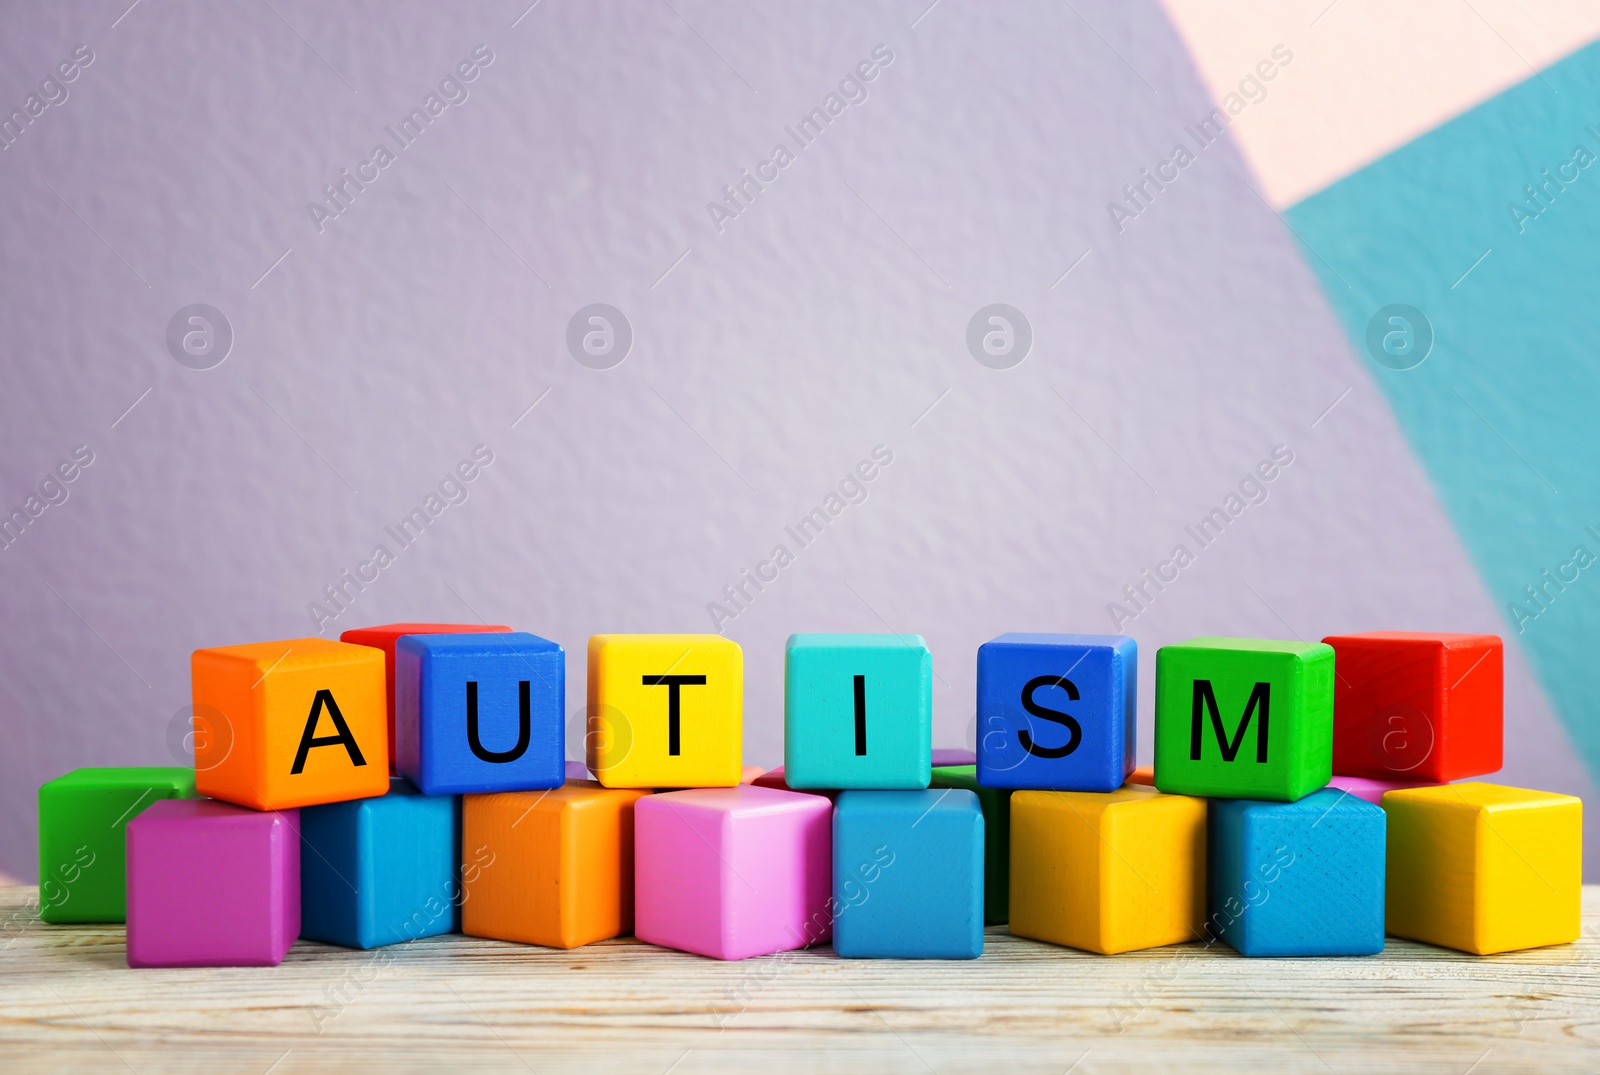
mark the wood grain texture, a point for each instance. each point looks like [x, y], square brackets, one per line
[69, 1002]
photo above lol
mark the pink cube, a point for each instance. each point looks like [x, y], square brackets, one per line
[1372, 790]
[953, 756]
[732, 872]
[211, 884]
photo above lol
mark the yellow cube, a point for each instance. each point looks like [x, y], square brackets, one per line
[1108, 873]
[665, 711]
[1484, 868]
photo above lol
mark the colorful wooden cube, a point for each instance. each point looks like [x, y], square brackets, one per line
[386, 636]
[857, 711]
[1425, 707]
[549, 867]
[1484, 868]
[996, 806]
[1108, 872]
[1057, 711]
[212, 885]
[82, 849]
[732, 872]
[908, 875]
[299, 722]
[478, 713]
[1244, 718]
[380, 871]
[665, 711]
[1298, 879]
[1373, 790]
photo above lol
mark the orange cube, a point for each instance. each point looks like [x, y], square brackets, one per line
[548, 867]
[386, 636]
[291, 723]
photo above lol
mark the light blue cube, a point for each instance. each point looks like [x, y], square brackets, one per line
[1057, 712]
[477, 713]
[857, 711]
[1298, 879]
[380, 871]
[908, 874]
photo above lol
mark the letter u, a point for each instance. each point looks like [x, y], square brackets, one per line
[524, 726]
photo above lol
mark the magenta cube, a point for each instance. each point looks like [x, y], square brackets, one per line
[1372, 790]
[733, 872]
[211, 884]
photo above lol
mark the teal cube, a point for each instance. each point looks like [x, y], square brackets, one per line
[382, 870]
[908, 875]
[1298, 879]
[857, 711]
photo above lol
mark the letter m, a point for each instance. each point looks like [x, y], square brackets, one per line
[1205, 701]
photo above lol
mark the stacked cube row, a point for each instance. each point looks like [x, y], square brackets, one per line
[864, 837]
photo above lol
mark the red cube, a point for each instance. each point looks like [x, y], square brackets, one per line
[1409, 705]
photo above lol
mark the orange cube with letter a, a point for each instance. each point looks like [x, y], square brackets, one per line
[291, 723]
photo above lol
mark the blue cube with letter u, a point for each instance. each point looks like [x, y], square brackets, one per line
[477, 713]
[1056, 712]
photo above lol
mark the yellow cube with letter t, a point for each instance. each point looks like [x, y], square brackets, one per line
[665, 711]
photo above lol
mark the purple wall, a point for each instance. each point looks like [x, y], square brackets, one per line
[768, 358]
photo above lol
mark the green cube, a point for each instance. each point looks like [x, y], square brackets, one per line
[1244, 718]
[996, 806]
[82, 844]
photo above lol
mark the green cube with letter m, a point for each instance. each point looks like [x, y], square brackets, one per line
[1244, 718]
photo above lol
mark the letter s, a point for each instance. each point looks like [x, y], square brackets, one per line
[486, 57]
[883, 55]
[83, 54]
[483, 455]
[82, 455]
[1283, 454]
[1282, 54]
[882, 454]
[1074, 730]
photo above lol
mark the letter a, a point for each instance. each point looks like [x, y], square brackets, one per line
[309, 737]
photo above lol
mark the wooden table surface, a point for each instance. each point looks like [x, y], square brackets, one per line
[69, 1002]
